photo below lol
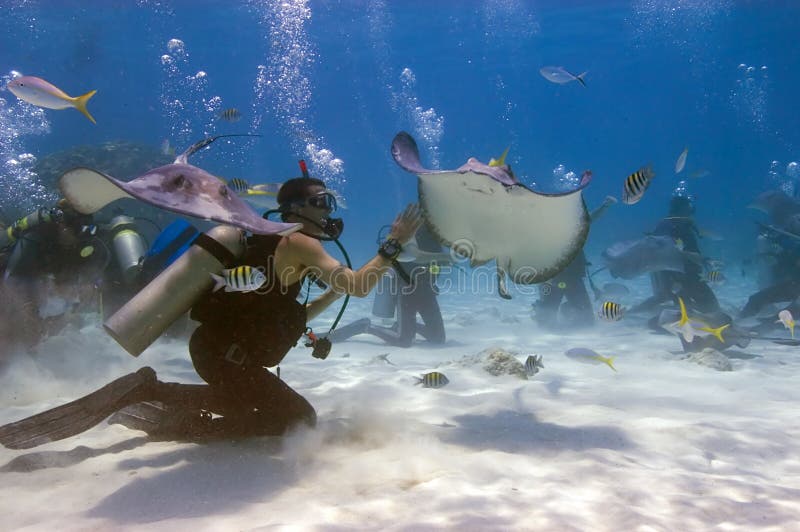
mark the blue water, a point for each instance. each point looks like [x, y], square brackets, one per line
[339, 79]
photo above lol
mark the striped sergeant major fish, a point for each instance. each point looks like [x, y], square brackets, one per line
[716, 277]
[239, 279]
[635, 185]
[433, 379]
[238, 185]
[533, 364]
[611, 311]
[230, 115]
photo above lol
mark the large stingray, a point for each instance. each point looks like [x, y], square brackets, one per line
[484, 213]
[178, 187]
[652, 253]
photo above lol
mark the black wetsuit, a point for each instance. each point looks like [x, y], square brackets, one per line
[241, 334]
[405, 299]
[691, 287]
[787, 288]
[408, 300]
[567, 286]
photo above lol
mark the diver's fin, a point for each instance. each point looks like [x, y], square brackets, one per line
[145, 416]
[79, 415]
[164, 422]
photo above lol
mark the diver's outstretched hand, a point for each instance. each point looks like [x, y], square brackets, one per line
[406, 224]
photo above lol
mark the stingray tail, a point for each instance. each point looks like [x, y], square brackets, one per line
[183, 158]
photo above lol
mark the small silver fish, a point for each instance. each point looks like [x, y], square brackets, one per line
[587, 356]
[230, 115]
[239, 279]
[433, 379]
[681, 162]
[611, 311]
[560, 75]
[636, 184]
[532, 364]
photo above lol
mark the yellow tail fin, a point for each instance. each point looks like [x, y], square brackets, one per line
[717, 332]
[684, 316]
[502, 160]
[80, 104]
[607, 360]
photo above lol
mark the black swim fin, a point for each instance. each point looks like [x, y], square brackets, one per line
[162, 422]
[79, 415]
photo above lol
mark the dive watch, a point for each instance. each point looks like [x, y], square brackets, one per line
[390, 249]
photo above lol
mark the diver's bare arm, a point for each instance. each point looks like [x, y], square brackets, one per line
[315, 308]
[343, 280]
[357, 283]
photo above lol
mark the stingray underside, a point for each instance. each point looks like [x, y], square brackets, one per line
[533, 236]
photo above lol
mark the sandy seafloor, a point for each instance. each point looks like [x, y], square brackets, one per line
[663, 444]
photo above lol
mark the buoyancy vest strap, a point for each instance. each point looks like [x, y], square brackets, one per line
[220, 252]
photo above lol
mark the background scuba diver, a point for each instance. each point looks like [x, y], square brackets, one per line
[241, 334]
[406, 290]
[568, 286]
[59, 260]
[689, 284]
[786, 274]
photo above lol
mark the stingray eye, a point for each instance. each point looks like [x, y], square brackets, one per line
[223, 191]
[179, 180]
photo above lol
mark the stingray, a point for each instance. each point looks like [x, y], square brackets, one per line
[632, 258]
[483, 212]
[782, 209]
[178, 187]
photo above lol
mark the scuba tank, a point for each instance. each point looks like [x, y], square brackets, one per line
[12, 233]
[385, 302]
[128, 246]
[175, 290]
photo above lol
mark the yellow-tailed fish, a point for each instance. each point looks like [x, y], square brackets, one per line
[636, 184]
[501, 160]
[43, 94]
[611, 311]
[787, 319]
[587, 356]
[681, 162]
[433, 379]
[690, 327]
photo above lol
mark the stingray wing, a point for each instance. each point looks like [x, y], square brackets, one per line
[179, 188]
[483, 213]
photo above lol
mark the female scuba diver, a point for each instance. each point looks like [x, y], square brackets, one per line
[408, 289]
[240, 333]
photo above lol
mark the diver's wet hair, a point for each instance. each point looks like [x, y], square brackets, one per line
[295, 190]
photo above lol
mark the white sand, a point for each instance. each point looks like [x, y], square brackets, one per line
[664, 444]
